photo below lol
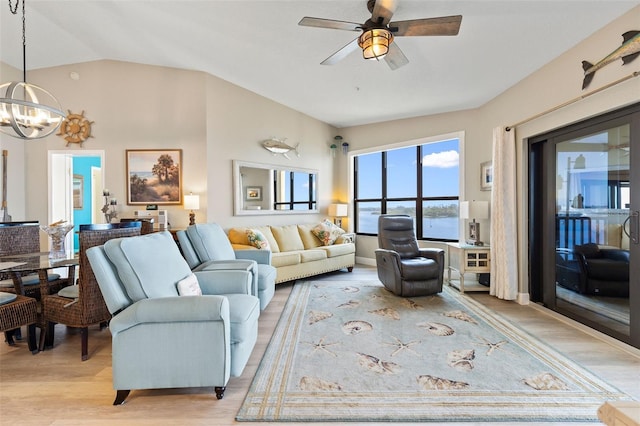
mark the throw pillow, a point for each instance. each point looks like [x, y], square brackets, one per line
[189, 286]
[257, 239]
[327, 232]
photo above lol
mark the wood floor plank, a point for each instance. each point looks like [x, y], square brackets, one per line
[55, 388]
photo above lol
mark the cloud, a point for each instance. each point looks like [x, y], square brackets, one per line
[443, 160]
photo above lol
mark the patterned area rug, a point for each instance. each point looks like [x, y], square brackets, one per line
[352, 351]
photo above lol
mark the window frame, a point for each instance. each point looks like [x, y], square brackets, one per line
[419, 199]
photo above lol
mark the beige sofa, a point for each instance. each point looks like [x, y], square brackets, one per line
[297, 252]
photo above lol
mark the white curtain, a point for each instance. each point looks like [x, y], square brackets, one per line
[504, 259]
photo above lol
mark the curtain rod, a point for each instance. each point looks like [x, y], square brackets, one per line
[571, 101]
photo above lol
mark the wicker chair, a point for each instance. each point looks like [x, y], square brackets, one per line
[87, 306]
[18, 312]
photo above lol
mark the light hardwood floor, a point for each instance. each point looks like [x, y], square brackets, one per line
[55, 388]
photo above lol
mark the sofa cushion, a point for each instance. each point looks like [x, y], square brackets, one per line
[273, 244]
[312, 255]
[327, 232]
[285, 258]
[145, 276]
[287, 237]
[309, 240]
[257, 239]
[339, 249]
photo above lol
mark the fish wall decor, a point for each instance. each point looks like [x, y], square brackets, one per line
[278, 146]
[628, 51]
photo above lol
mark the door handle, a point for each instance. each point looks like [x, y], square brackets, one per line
[634, 225]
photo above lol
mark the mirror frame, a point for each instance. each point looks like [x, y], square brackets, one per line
[238, 190]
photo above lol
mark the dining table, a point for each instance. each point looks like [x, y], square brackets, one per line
[18, 265]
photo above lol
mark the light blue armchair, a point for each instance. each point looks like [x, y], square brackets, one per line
[161, 339]
[206, 247]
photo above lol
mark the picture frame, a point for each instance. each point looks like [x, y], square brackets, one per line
[486, 176]
[154, 176]
[253, 193]
[78, 192]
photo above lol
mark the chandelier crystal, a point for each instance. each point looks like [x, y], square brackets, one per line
[27, 111]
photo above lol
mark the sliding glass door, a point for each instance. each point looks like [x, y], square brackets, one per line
[584, 206]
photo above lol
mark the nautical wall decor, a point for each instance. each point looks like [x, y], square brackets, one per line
[628, 51]
[75, 128]
[278, 146]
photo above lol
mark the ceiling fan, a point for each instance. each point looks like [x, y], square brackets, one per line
[378, 33]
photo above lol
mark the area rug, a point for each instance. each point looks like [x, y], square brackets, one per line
[352, 351]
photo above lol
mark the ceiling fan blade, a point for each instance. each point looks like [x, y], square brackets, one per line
[395, 57]
[308, 21]
[383, 9]
[341, 54]
[443, 26]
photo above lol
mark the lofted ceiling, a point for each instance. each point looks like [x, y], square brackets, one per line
[259, 46]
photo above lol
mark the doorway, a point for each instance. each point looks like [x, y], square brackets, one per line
[75, 188]
[584, 204]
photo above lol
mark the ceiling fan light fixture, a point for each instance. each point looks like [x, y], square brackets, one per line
[375, 43]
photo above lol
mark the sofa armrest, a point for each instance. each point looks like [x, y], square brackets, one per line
[225, 281]
[262, 257]
[171, 309]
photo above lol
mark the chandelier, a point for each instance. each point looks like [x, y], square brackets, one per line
[26, 110]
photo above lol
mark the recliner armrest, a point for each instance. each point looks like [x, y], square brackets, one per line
[171, 309]
[262, 257]
[225, 282]
[615, 254]
[433, 253]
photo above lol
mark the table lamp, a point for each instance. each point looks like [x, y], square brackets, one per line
[192, 202]
[338, 211]
[474, 210]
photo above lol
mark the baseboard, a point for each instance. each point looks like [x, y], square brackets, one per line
[588, 330]
[365, 261]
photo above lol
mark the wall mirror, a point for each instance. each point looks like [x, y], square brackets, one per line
[270, 189]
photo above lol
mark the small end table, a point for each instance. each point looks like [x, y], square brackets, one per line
[466, 258]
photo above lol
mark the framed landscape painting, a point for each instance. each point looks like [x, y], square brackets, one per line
[154, 176]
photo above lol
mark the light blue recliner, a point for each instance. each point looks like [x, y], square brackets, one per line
[205, 246]
[161, 339]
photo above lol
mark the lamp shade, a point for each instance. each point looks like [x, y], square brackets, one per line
[474, 209]
[191, 202]
[337, 210]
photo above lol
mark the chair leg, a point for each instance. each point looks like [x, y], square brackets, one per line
[43, 336]
[31, 338]
[84, 337]
[220, 391]
[121, 395]
[8, 337]
[48, 343]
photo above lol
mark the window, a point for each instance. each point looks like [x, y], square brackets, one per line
[421, 181]
[294, 190]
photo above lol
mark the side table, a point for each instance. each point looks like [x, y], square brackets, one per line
[465, 258]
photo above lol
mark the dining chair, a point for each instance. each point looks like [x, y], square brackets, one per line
[17, 311]
[82, 305]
